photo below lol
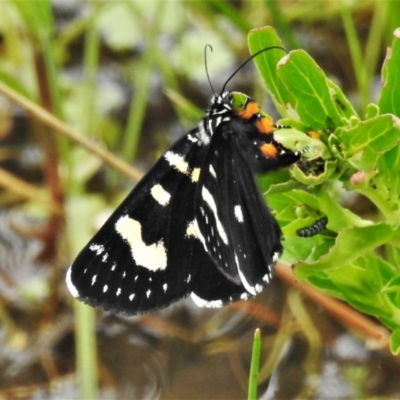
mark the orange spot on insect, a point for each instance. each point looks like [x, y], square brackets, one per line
[313, 134]
[269, 150]
[250, 109]
[265, 125]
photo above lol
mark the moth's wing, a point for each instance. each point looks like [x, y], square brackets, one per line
[211, 288]
[236, 227]
[144, 257]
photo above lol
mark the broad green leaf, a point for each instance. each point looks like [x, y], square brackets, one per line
[308, 85]
[351, 243]
[266, 63]
[343, 106]
[389, 98]
[339, 217]
[299, 248]
[363, 143]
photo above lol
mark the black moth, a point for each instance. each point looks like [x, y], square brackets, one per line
[195, 225]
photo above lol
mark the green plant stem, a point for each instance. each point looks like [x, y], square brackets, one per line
[141, 89]
[356, 56]
[86, 352]
[255, 364]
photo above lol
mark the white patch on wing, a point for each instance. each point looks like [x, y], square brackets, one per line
[204, 303]
[202, 134]
[177, 161]
[97, 248]
[192, 230]
[165, 287]
[195, 175]
[267, 277]
[153, 256]
[192, 139]
[209, 199]
[160, 195]
[259, 288]
[199, 235]
[239, 213]
[71, 287]
[246, 284]
[212, 172]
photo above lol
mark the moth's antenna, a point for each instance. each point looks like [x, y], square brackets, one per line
[249, 59]
[208, 46]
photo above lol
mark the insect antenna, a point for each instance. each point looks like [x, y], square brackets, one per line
[208, 46]
[249, 59]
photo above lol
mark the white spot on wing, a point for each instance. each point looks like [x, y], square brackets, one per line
[195, 175]
[118, 291]
[94, 279]
[105, 288]
[239, 213]
[192, 230]
[199, 235]
[177, 161]
[97, 248]
[246, 284]
[202, 134]
[204, 303]
[160, 195]
[71, 287]
[148, 293]
[131, 296]
[104, 259]
[212, 172]
[165, 287]
[192, 139]
[244, 296]
[152, 257]
[259, 288]
[209, 199]
[275, 257]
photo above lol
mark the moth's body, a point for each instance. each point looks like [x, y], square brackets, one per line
[196, 224]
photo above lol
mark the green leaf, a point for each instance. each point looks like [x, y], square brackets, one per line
[351, 243]
[296, 140]
[364, 143]
[308, 85]
[389, 98]
[395, 342]
[343, 106]
[266, 63]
